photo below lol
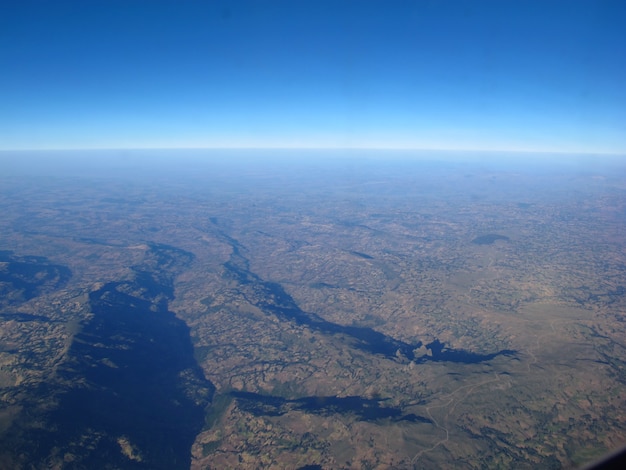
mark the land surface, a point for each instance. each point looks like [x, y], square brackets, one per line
[262, 312]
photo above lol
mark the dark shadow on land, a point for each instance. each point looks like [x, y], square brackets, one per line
[26, 277]
[130, 393]
[439, 353]
[489, 239]
[364, 409]
[271, 297]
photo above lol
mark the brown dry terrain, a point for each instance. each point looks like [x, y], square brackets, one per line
[363, 313]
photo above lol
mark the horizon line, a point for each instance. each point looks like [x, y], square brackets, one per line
[321, 148]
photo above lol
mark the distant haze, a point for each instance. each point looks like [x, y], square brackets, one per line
[141, 164]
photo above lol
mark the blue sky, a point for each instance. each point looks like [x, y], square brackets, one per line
[506, 75]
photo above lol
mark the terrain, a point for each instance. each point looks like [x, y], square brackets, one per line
[266, 310]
